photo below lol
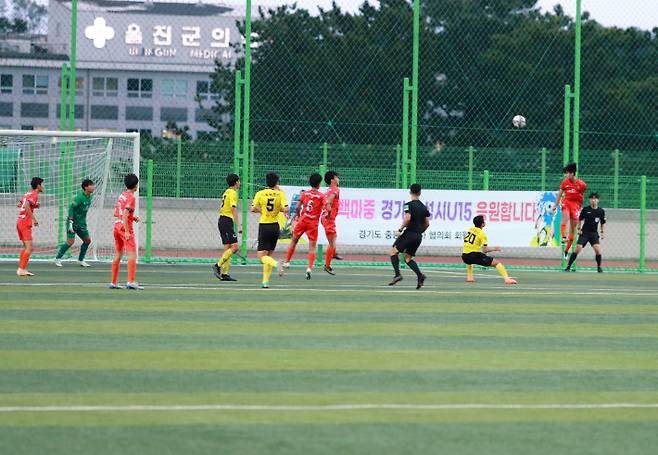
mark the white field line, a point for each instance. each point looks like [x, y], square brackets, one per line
[328, 407]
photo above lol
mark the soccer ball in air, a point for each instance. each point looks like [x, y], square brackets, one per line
[518, 121]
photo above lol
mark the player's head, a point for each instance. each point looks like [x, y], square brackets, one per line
[272, 179]
[88, 185]
[478, 221]
[570, 170]
[131, 181]
[415, 189]
[233, 180]
[315, 180]
[37, 183]
[331, 177]
[594, 199]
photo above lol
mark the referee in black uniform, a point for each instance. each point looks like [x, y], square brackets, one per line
[416, 221]
[588, 231]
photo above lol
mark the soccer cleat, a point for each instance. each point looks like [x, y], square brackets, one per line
[227, 278]
[599, 270]
[568, 269]
[308, 274]
[470, 280]
[83, 263]
[114, 286]
[337, 257]
[510, 281]
[395, 280]
[23, 272]
[329, 270]
[134, 286]
[265, 285]
[285, 265]
[58, 262]
[421, 281]
[217, 271]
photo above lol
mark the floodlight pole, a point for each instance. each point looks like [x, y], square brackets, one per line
[414, 93]
[245, 125]
[576, 87]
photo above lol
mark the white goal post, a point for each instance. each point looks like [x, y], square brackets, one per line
[64, 159]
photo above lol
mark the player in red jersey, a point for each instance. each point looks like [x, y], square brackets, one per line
[26, 219]
[573, 190]
[124, 235]
[332, 202]
[309, 210]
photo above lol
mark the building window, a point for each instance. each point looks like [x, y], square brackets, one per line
[6, 83]
[205, 91]
[144, 113]
[35, 110]
[79, 85]
[35, 84]
[174, 88]
[105, 86]
[140, 88]
[6, 109]
[173, 114]
[104, 112]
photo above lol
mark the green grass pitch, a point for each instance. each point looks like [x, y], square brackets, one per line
[560, 364]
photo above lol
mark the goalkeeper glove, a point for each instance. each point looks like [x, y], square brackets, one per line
[69, 226]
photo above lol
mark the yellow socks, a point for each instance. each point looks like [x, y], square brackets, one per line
[501, 269]
[226, 268]
[469, 271]
[226, 257]
[268, 265]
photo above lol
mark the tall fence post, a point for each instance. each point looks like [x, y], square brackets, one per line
[615, 180]
[62, 155]
[567, 124]
[485, 180]
[471, 152]
[252, 160]
[405, 132]
[149, 210]
[543, 152]
[236, 122]
[179, 157]
[414, 90]
[643, 221]
[397, 166]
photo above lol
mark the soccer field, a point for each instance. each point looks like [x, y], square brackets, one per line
[334, 365]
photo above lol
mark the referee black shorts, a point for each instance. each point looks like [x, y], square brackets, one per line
[268, 235]
[408, 242]
[588, 237]
[477, 258]
[226, 230]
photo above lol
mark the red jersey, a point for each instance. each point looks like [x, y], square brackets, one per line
[125, 202]
[29, 199]
[335, 204]
[573, 191]
[312, 202]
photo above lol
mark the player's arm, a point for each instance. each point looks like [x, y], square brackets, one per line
[558, 200]
[405, 222]
[602, 224]
[490, 249]
[426, 223]
[234, 211]
[124, 220]
[71, 215]
[30, 213]
[255, 205]
[328, 204]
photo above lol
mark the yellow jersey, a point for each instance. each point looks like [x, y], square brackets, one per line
[229, 201]
[271, 203]
[474, 240]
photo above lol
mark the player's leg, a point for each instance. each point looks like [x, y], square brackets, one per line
[598, 257]
[331, 251]
[70, 239]
[24, 259]
[499, 267]
[563, 223]
[268, 235]
[226, 267]
[469, 273]
[312, 236]
[222, 267]
[573, 227]
[409, 259]
[132, 265]
[582, 241]
[298, 231]
[116, 262]
[395, 262]
[86, 241]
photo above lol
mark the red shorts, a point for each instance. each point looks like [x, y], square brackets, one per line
[24, 229]
[329, 227]
[571, 208]
[308, 227]
[120, 242]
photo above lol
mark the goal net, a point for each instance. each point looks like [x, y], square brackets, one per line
[63, 160]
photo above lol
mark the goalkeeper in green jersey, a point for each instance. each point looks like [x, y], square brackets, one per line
[76, 224]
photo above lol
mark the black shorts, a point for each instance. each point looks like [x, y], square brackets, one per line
[408, 242]
[268, 235]
[477, 258]
[226, 231]
[588, 237]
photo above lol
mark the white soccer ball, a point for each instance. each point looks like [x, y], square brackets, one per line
[518, 121]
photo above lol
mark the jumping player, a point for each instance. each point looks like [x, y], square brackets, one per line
[269, 203]
[124, 235]
[332, 203]
[26, 219]
[573, 190]
[416, 221]
[475, 249]
[76, 224]
[588, 231]
[309, 209]
[228, 215]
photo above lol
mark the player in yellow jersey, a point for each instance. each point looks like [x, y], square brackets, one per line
[475, 249]
[228, 214]
[269, 203]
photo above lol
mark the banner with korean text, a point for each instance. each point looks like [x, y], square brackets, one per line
[514, 218]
